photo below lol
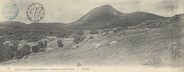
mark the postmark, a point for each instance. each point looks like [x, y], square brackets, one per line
[35, 12]
[10, 11]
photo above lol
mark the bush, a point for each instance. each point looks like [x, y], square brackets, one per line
[45, 44]
[7, 53]
[94, 32]
[41, 46]
[2, 50]
[35, 49]
[91, 37]
[78, 38]
[79, 32]
[14, 48]
[60, 43]
[25, 50]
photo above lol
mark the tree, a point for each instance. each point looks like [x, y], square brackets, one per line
[60, 43]
[94, 32]
[25, 50]
[14, 48]
[35, 49]
[45, 43]
[2, 49]
[41, 46]
[8, 53]
[78, 38]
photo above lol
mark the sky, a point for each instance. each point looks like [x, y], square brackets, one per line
[66, 11]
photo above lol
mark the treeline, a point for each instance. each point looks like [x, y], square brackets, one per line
[13, 51]
[32, 35]
[15, 35]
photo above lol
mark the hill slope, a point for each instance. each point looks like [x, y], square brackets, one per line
[140, 45]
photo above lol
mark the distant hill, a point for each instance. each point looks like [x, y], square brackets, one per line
[46, 25]
[15, 30]
[107, 16]
[32, 25]
[12, 24]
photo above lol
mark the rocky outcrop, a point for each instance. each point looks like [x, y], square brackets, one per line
[67, 41]
[98, 45]
[113, 42]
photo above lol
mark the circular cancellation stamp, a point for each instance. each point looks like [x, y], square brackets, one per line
[35, 12]
[10, 11]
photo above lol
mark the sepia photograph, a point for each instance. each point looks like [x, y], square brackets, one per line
[91, 35]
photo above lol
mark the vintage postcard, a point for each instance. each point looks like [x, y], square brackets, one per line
[91, 35]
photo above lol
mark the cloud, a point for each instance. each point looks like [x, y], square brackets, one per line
[163, 7]
[168, 5]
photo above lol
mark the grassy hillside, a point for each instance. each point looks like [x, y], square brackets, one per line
[154, 43]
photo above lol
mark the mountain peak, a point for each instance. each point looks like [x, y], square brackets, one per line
[104, 12]
[106, 6]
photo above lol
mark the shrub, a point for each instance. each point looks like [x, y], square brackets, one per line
[79, 32]
[45, 43]
[7, 53]
[91, 37]
[2, 50]
[14, 48]
[60, 43]
[78, 38]
[41, 46]
[35, 49]
[94, 32]
[25, 50]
